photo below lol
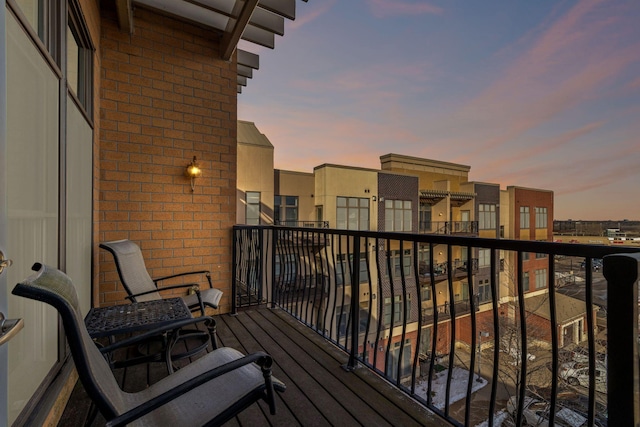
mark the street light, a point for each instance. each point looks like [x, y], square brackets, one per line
[480, 335]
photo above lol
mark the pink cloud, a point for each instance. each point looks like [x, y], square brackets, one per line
[385, 8]
[542, 146]
[566, 66]
[308, 16]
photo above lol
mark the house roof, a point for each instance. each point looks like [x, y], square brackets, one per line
[248, 133]
[567, 308]
[255, 21]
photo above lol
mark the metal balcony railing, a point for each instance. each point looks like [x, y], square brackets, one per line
[449, 227]
[303, 224]
[370, 294]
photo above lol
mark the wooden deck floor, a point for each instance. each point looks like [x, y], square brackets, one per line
[319, 391]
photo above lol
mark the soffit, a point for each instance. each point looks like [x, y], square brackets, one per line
[255, 21]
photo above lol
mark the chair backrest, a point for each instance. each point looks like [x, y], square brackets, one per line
[132, 269]
[53, 287]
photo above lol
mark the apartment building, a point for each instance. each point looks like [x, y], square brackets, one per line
[414, 195]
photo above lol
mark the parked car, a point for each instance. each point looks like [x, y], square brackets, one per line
[577, 373]
[580, 404]
[581, 354]
[536, 413]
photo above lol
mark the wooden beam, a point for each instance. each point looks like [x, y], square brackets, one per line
[232, 35]
[125, 15]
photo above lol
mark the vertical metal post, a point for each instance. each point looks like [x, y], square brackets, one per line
[234, 270]
[623, 397]
[272, 276]
[355, 308]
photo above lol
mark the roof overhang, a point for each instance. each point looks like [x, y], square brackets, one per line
[456, 198]
[255, 21]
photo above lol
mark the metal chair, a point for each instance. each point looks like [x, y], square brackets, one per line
[141, 287]
[208, 391]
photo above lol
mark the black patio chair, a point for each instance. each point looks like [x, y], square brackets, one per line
[209, 391]
[141, 287]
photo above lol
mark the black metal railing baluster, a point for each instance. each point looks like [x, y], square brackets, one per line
[355, 312]
[623, 383]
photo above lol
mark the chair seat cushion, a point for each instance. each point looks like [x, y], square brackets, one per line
[203, 403]
[210, 297]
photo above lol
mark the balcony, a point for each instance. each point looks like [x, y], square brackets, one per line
[388, 357]
[502, 335]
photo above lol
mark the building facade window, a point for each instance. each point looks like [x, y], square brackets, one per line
[79, 59]
[484, 257]
[285, 210]
[424, 217]
[525, 280]
[541, 217]
[252, 212]
[397, 261]
[524, 216]
[484, 290]
[398, 215]
[352, 213]
[541, 278]
[486, 217]
[425, 293]
[343, 270]
[398, 309]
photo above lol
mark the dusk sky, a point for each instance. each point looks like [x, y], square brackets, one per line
[541, 94]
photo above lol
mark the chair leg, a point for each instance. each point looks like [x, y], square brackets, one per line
[213, 333]
[91, 415]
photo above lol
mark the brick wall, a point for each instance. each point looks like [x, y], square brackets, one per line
[165, 97]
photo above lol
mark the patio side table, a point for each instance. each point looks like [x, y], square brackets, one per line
[125, 319]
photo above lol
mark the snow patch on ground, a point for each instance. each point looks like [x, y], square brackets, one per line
[459, 380]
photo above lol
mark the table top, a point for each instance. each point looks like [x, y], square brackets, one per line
[137, 316]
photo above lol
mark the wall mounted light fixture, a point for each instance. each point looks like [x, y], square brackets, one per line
[374, 198]
[192, 172]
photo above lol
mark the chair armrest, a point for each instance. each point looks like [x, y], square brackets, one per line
[164, 288]
[260, 358]
[155, 332]
[207, 273]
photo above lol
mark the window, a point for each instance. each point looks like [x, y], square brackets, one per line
[285, 210]
[425, 341]
[525, 256]
[252, 214]
[343, 270]
[541, 217]
[396, 261]
[398, 310]
[424, 214]
[524, 216]
[352, 213]
[423, 260]
[397, 215]
[425, 293]
[285, 268]
[540, 255]
[525, 280]
[319, 214]
[484, 290]
[486, 217]
[342, 319]
[484, 257]
[79, 60]
[541, 278]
